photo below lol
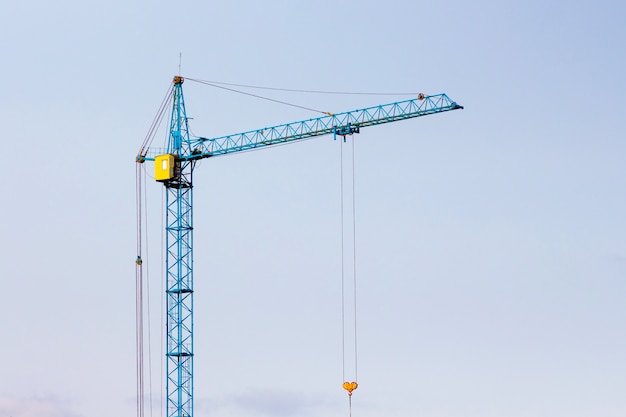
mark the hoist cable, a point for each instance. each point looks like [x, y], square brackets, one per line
[257, 96]
[143, 308]
[348, 386]
[343, 297]
[162, 275]
[147, 281]
[291, 90]
[139, 298]
[356, 374]
[350, 404]
[138, 202]
[156, 122]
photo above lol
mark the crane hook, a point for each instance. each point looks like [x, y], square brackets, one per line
[350, 386]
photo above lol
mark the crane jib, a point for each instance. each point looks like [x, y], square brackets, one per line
[346, 123]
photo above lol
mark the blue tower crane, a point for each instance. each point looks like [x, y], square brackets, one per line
[174, 167]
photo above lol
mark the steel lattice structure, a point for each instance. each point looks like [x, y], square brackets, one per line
[179, 266]
[174, 167]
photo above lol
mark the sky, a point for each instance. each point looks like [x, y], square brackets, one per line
[490, 241]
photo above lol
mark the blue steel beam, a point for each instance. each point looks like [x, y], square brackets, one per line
[340, 124]
[179, 266]
[179, 209]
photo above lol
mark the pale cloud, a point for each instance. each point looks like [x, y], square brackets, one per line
[267, 402]
[34, 407]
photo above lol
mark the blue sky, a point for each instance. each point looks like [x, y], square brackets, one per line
[491, 250]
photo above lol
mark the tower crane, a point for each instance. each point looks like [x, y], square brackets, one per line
[174, 166]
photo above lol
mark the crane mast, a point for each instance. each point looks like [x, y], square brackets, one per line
[179, 263]
[174, 167]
